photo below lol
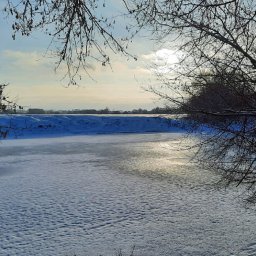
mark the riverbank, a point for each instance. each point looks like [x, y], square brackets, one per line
[38, 126]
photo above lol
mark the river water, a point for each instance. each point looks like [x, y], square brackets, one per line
[94, 195]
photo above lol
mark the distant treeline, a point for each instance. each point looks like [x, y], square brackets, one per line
[105, 111]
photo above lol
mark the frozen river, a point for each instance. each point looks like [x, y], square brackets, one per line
[92, 195]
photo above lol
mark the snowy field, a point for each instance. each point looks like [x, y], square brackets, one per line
[95, 194]
[27, 126]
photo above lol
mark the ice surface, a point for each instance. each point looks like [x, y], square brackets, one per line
[27, 126]
[92, 195]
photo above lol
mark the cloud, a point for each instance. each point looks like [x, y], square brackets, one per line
[162, 56]
[33, 81]
[25, 59]
[163, 60]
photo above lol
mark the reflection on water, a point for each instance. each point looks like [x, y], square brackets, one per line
[93, 195]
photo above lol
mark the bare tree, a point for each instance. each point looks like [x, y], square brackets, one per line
[216, 42]
[7, 106]
[80, 31]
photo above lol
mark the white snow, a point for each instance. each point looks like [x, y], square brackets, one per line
[96, 194]
[104, 191]
[27, 126]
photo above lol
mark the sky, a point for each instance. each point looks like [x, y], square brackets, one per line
[33, 82]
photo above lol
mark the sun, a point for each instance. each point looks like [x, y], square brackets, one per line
[163, 60]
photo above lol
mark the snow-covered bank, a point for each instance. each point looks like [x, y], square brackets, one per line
[29, 126]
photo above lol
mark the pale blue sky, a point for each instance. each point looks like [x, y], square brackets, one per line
[34, 83]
